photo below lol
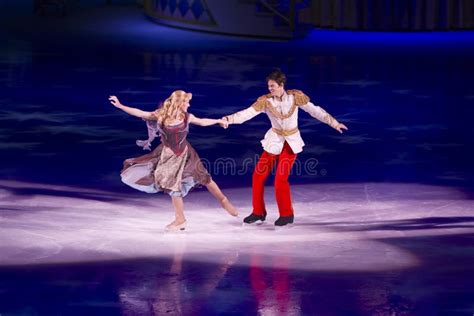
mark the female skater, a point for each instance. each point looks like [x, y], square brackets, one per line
[174, 166]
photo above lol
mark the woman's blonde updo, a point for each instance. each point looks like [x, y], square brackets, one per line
[170, 110]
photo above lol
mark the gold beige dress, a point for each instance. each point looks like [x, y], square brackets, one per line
[173, 167]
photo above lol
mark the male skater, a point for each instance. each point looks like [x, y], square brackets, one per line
[281, 143]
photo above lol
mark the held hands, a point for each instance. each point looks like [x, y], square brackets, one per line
[115, 101]
[223, 123]
[339, 127]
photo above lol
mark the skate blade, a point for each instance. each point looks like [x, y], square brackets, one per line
[257, 223]
[179, 230]
[287, 226]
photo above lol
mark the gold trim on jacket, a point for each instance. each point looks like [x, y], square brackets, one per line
[285, 132]
[262, 104]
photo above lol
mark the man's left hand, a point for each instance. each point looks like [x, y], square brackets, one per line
[341, 127]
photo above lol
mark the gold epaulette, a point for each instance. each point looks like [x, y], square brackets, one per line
[300, 97]
[261, 103]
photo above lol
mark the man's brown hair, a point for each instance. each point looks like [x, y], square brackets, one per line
[278, 76]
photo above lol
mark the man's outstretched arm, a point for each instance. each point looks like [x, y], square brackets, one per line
[320, 114]
[249, 113]
[242, 116]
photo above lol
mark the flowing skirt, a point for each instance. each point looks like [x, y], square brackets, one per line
[163, 170]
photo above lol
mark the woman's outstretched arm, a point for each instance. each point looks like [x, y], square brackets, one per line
[132, 111]
[206, 121]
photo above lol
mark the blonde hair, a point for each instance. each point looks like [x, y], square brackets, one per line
[170, 108]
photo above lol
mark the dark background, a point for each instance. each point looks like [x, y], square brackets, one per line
[407, 97]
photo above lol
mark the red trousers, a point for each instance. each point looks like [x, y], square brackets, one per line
[282, 187]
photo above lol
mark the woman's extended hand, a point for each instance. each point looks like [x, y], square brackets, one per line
[115, 101]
